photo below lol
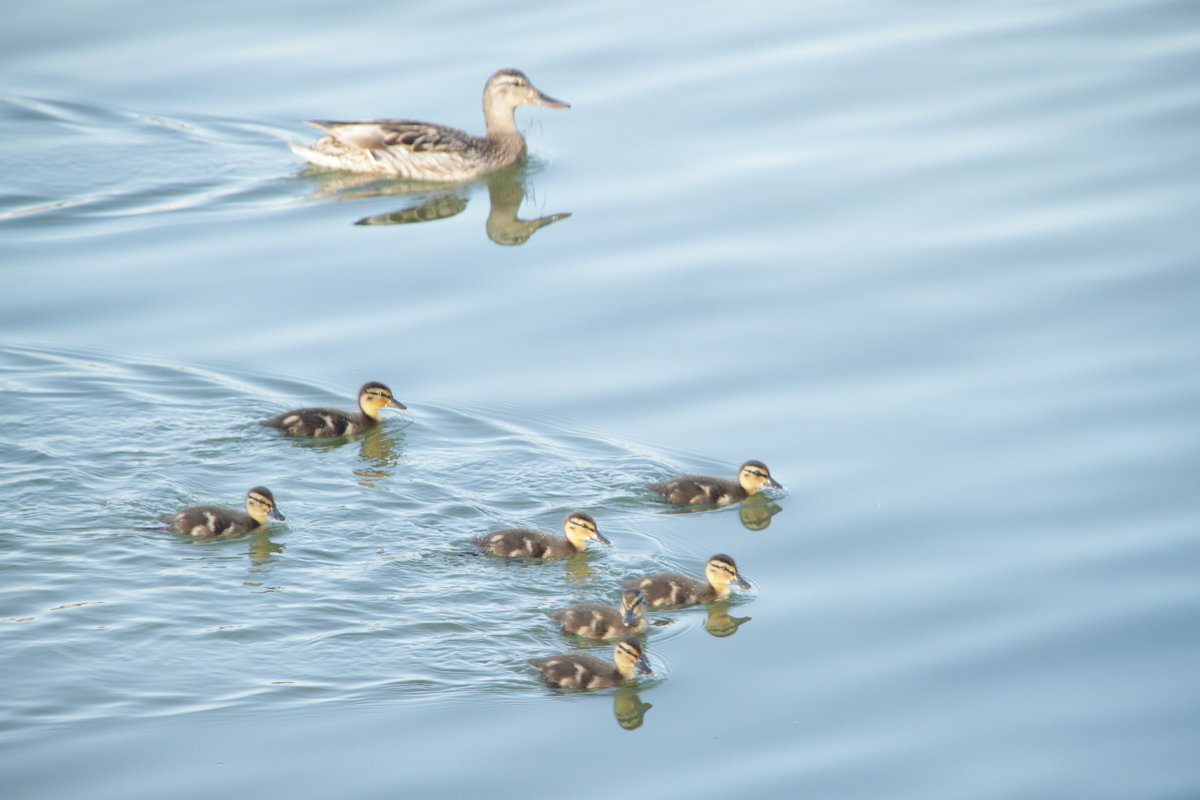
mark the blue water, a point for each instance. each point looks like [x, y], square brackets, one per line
[934, 263]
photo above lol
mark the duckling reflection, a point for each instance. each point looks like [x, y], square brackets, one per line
[263, 551]
[756, 511]
[720, 622]
[629, 709]
[507, 189]
[381, 450]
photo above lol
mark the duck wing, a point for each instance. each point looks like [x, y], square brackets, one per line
[319, 422]
[411, 135]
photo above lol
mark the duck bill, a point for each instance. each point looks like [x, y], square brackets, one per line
[397, 404]
[275, 514]
[643, 666]
[601, 538]
[774, 484]
[628, 618]
[742, 582]
[550, 102]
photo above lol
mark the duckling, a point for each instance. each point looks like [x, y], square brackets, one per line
[572, 671]
[427, 152]
[578, 527]
[673, 589]
[597, 621]
[704, 490]
[329, 422]
[222, 521]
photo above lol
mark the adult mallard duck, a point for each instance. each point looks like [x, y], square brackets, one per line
[706, 490]
[673, 589]
[578, 528]
[222, 521]
[425, 151]
[597, 621]
[328, 422]
[574, 671]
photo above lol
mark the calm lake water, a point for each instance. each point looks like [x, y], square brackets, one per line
[935, 263]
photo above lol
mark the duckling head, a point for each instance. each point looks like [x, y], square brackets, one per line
[754, 475]
[633, 606]
[510, 88]
[374, 396]
[579, 527]
[721, 570]
[630, 655]
[260, 504]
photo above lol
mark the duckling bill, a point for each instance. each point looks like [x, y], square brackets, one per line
[578, 529]
[330, 422]
[426, 151]
[575, 671]
[707, 490]
[674, 589]
[222, 521]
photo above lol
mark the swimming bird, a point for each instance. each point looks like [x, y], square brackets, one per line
[425, 151]
[328, 422]
[578, 528]
[674, 589]
[575, 671]
[706, 490]
[222, 521]
[597, 621]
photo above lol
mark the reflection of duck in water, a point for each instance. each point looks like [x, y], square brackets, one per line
[506, 190]
[428, 152]
[578, 528]
[222, 521]
[756, 511]
[629, 709]
[673, 589]
[380, 451]
[328, 422]
[596, 621]
[573, 671]
[709, 491]
[720, 622]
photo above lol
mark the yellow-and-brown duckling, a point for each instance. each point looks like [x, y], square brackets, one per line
[222, 521]
[330, 422]
[597, 621]
[706, 490]
[574, 671]
[674, 589]
[425, 151]
[578, 528]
